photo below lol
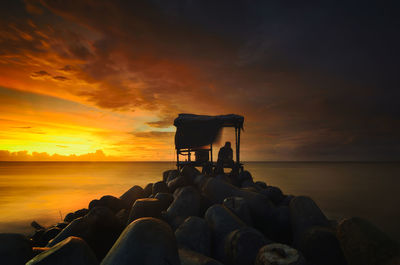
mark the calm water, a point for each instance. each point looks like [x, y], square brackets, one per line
[47, 191]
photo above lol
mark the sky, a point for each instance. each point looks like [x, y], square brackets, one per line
[104, 80]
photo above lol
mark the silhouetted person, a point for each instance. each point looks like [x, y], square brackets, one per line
[225, 158]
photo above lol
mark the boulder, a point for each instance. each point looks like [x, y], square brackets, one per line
[15, 249]
[148, 190]
[274, 194]
[194, 234]
[36, 225]
[189, 257]
[242, 245]
[49, 234]
[245, 176]
[320, 246]
[146, 207]
[170, 174]
[363, 243]
[72, 250]
[180, 181]
[165, 199]
[185, 204]
[145, 241]
[221, 222]
[190, 172]
[113, 203]
[131, 195]
[37, 250]
[281, 254]
[261, 184]
[99, 228]
[286, 200]
[240, 208]
[61, 225]
[72, 216]
[160, 186]
[281, 226]
[305, 214]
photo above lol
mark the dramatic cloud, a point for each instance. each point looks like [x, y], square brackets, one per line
[314, 80]
[35, 156]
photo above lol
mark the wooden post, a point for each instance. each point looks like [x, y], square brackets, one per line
[177, 158]
[238, 148]
[236, 144]
[211, 154]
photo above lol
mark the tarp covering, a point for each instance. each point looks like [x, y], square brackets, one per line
[193, 131]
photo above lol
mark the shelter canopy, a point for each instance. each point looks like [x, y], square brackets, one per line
[194, 131]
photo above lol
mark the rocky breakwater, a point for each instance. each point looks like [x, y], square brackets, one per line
[193, 219]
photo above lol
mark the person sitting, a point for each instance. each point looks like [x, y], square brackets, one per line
[225, 158]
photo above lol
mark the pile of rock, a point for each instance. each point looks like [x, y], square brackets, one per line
[192, 219]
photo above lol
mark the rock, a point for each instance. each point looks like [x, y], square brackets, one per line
[186, 203]
[37, 226]
[281, 226]
[274, 194]
[165, 200]
[169, 175]
[190, 172]
[15, 249]
[245, 176]
[148, 190]
[242, 245]
[122, 216]
[363, 243]
[113, 203]
[61, 225]
[261, 208]
[147, 207]
[49, 234]
[194, 234]
[160, 186]
[180, 181]
[72, 216]
[305, 214]
[200, 180]
[286, 200]
[281, 254]
[261, 184]
[222, 222]
[99, 228]
[145, 241]
[72, 250]
[320, 246]
[38, 250]
[37, 236]
[240, 208]
[93, 203]
[189, 257]
[130, 196]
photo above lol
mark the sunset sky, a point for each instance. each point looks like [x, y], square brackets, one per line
[104, 80]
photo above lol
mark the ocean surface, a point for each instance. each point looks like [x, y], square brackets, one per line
[47, 191]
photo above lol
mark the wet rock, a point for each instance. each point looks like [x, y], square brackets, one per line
[72, 250]
[131, 195]
[261, 184]
[240, 208]
[165, 200]
[148, 190]
[194, 234]
[147, 207]
[99, 228]
[189, 257]
[281, 254]
[221, 222]
[146, 241]
[37, 236]
[15, 249]
[364, 244]
[72, 216]
[180, 181]
[200, 180]
[245, 176]
[185, 204]
[122, 216]
[320, 246]
[274, 194]
[281, 226]
[160, 186]
[113, 203]
[93, 203]
[286, 200]
[242, 245]
[305, 214]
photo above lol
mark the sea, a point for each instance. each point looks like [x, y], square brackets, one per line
[46, 192]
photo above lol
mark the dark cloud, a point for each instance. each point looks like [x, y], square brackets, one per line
[39, 74]
[60, 78]
[315, 80]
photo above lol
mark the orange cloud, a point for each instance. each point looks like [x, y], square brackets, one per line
[36, 156]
